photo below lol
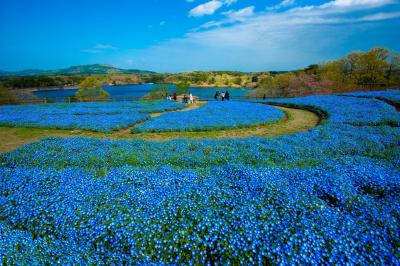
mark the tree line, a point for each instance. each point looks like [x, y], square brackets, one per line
[376, 69]
[196, 78]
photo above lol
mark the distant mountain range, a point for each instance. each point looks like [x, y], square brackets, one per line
[76, 70]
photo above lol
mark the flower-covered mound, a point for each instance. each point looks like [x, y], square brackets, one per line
[327, 196]
[102, 117]
[213, 116]
[351, 110]
[391, 95]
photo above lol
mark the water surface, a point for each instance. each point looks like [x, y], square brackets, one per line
[134, 92]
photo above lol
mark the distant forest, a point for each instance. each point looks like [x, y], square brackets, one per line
[196, 78]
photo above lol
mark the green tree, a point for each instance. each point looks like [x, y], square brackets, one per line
[376, 68]
[273, 86]
[6, 96]
[182, 87]
[393, 71]
[159, 92]
[238, 80]
[211, 80]
[371, 68]
[90, 90]
[334, 72]
[312, 69]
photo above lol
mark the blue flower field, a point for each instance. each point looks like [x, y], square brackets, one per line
[102, 117]
[351, 110]
[213, 116]
[330, 195]
[391, 95]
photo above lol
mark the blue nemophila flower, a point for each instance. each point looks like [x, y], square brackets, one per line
[391, 95]
[103, 117]
[326, 196]
[352, 110]
[214, 116]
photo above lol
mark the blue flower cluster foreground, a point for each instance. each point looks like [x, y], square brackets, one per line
[102, 117]
[213, 116]
[330, 195]
[391, 95]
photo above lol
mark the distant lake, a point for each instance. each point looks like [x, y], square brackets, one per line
[129, 92]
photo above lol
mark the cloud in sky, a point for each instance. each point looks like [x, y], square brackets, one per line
[271, 39]
[380, 16]
[232, 16]
[240, 14]
[229, 2]
[284, 3]
[99, 48]
[357, 3]
[343, 6]
[103, 46]
[209, 8]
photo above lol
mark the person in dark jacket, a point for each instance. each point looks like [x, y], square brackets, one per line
[222, 96]
[227, 96]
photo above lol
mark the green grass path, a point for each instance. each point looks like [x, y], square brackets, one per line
[296, 120]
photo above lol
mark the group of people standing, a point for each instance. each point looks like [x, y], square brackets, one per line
[185, 99]
[173, 97]
[188, 98]
[222, 95]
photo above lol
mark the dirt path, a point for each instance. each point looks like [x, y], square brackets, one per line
[187, 108]
[296, 120]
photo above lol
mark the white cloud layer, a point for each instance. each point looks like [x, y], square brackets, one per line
[240, 14]
[268, 40]
[103, 46]
[208, 8]
[357, 3]
[343, 6]
[229, 2]
[284, 3]
[231, 17]
[99, 48]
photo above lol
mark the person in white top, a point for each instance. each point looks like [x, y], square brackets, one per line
[190, 98]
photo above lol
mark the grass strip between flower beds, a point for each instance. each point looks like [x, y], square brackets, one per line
[296, 120]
